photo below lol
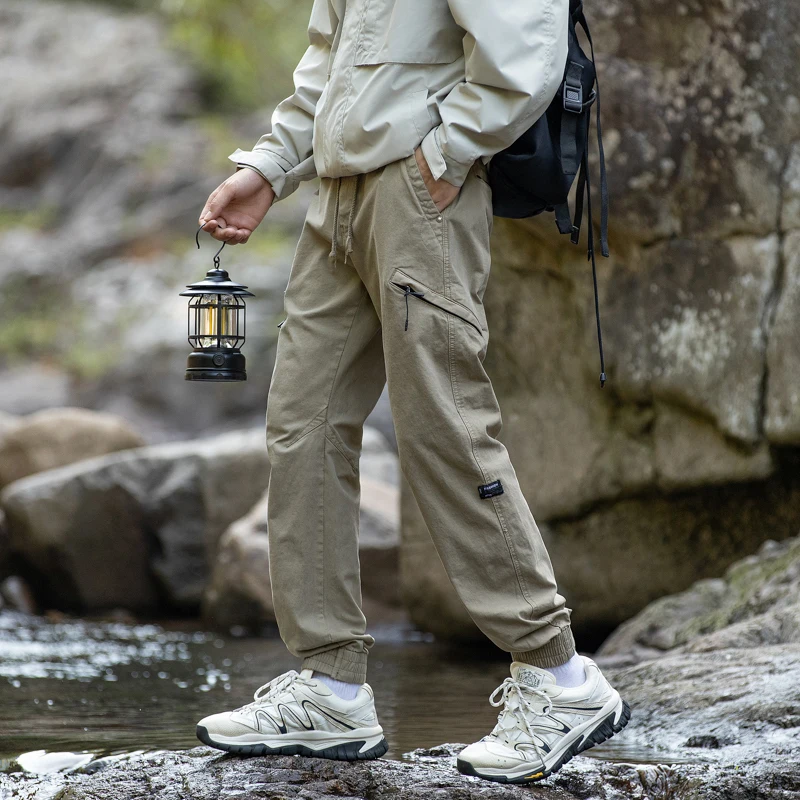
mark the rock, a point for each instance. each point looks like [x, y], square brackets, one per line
[4, 544]
[782, 423]
[126, 529]
[700, 305]
[756, 603]
[701, 728]
[240, 593]
[644, 547]
[57, 437]
[17, 595]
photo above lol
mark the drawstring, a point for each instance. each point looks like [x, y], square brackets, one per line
[409, 292]
[335, 237]
[348, 247]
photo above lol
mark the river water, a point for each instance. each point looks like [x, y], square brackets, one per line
[107, 688]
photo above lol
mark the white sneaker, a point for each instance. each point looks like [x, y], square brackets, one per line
[298, 715]
[542, 725]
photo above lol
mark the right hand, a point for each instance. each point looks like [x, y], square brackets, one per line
[237, 207]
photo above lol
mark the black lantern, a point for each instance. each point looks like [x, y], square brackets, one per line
[216, 326]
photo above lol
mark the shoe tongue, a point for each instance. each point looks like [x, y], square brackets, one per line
[306, 674]
[533, 677]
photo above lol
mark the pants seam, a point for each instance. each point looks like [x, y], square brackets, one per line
[500, 518]
[321, 549]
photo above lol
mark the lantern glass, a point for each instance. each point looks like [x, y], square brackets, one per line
[216, 321]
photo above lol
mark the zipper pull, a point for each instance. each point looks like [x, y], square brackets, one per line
[409, 292]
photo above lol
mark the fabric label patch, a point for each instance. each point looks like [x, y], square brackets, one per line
[492, 489]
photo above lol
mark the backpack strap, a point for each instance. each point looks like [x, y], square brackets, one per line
[573, 103]
[580, 18]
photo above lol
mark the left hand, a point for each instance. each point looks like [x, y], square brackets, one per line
[442, 193]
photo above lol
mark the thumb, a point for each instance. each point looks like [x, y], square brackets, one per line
[217, 202]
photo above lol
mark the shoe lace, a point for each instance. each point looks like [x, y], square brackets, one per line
[266, 693]
[516, 700]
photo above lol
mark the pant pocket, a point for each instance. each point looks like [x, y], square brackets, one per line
[421, 190]
[414, 291]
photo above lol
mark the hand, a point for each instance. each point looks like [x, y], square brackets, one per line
[442, 193]
[237, 207]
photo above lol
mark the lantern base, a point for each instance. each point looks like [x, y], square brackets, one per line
[216, 366]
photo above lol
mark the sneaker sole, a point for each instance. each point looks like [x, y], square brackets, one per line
[604, 731]
[349, 751]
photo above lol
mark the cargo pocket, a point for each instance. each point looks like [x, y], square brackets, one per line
[409, 32]
[416, 292]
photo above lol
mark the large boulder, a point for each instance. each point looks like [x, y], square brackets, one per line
[240, 592]
[755, 603]
[639, 488]
[58, 437]
[137, 528]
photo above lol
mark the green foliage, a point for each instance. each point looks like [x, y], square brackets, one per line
[244, 50]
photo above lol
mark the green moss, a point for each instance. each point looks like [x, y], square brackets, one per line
[38, 219]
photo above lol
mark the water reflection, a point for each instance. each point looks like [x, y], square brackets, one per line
[109, 689]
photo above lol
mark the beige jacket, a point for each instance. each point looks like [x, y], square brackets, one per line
[462, 77]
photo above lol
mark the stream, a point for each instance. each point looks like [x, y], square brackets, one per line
[107, 688]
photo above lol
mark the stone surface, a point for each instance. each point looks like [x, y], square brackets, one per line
[639, 488]
[239, 591]
[58, 437]
[755, 603]
[703, 720]
[136, 528]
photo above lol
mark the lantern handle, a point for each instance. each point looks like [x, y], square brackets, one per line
[216, 255]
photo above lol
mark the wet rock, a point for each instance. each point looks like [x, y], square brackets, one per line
[240, 593]
[57, 437]
[135, 528]
[700, 728]
[756, 603]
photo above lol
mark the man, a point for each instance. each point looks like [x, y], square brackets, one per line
[398, 106]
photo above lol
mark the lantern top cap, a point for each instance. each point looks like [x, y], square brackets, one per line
[217, 281]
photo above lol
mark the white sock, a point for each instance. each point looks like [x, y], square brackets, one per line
[346, 691]
[570, 674]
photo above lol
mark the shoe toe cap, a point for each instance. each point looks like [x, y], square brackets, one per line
[224, 725]
[492, 755]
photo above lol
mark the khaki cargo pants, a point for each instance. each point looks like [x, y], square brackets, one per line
[384, 287]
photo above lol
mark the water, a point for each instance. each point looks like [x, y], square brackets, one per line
[113, 688]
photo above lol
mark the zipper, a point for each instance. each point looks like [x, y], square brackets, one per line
[408, 291]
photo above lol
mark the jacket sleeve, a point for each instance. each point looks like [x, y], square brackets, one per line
[515, 53]
[284, 156]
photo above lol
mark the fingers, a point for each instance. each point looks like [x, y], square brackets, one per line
[229, 234]
[216, 203]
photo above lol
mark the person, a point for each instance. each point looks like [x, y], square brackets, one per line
[398, 107]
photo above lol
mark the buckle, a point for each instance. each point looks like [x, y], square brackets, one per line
[573, 98]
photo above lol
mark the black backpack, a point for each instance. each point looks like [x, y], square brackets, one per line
[536, 173]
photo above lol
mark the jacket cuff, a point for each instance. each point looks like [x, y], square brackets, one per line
[270, 167]
[441, 165]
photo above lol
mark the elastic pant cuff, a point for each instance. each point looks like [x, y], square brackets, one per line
[557, 651]
[341, 664]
